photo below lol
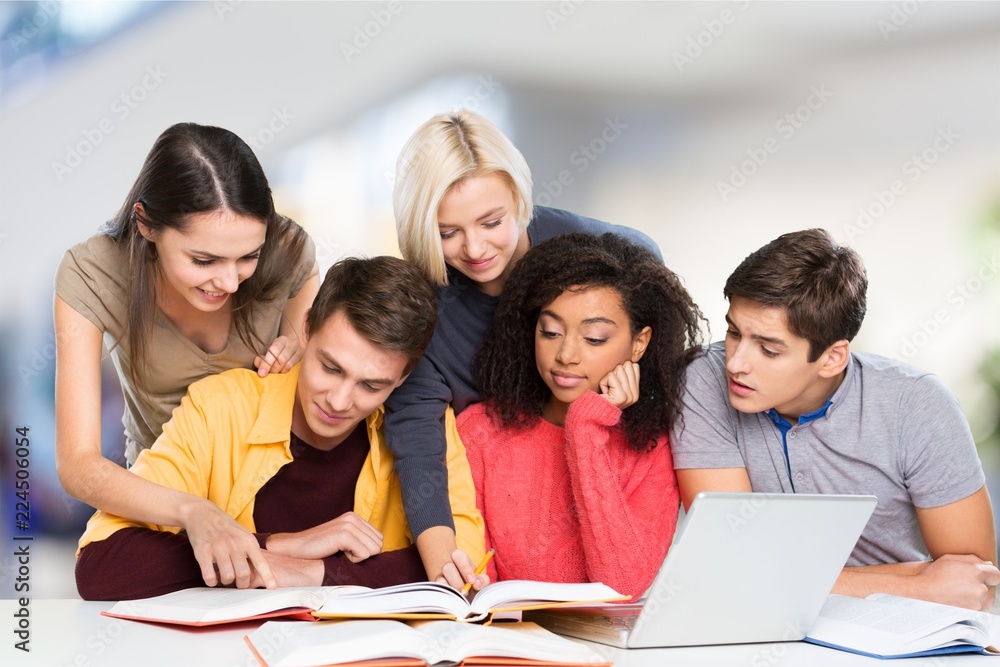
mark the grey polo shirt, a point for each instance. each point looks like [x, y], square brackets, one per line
[891, 431]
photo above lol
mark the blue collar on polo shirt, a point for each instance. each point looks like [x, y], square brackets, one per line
[785, 426]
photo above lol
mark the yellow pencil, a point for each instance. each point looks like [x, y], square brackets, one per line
[479, 569]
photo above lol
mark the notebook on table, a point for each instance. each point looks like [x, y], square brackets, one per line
[743, 567]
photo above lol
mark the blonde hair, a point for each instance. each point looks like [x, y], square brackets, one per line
[445, 150]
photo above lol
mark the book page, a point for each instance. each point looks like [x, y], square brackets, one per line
[456, 642]
[422, 596]
[894, 626]
[292, 644]
[214, 604]
[518, 593]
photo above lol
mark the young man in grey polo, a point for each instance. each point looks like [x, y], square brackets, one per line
[783, 405]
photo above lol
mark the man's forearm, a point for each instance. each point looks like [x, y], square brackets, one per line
[136, 563]
[895, 578]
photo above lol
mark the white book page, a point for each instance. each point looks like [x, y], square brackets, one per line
[455, 642]
[215, 604]
[405, 598]
[296, 644]
[504, 593]
[893, 625]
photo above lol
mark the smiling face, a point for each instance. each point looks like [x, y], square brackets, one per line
[767, 365]
[477, 219]
[582, 336]
[343, 379]
[206, 262]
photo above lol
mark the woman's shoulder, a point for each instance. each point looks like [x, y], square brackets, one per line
[550, 222]
[99, 259]
[547, 223]
[474, 415]
[97, 245]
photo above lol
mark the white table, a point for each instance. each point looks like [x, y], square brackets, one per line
[73, 633]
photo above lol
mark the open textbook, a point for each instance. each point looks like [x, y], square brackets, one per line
[390, 642]
[420, 600]
[889, 626]
[211, 606]
[428, 599]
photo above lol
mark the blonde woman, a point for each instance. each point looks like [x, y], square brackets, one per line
[464, 215]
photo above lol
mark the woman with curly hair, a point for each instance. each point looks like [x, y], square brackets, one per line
[582, 372]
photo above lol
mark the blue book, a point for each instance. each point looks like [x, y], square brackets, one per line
[890, 626]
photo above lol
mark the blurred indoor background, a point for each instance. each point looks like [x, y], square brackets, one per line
[713, 127]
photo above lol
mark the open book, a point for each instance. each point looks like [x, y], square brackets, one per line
[278, 644]
[428, 599]
[211, 606]
[889, 626]
[420, 600]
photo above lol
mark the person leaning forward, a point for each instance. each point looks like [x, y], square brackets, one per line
[297, 459]
[785, 406]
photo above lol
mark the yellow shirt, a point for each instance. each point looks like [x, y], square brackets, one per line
[231, 434]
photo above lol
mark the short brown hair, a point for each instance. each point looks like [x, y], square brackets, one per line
[820, 285]
[387, 300]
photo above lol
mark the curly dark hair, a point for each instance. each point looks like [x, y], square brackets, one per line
[651, 294]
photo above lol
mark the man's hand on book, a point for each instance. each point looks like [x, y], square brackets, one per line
[959, 580]
[349, 533]
[226, 551]
[292, 571]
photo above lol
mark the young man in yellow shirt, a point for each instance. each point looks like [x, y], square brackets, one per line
[286, 460]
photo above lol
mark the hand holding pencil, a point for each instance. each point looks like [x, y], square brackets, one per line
[479, 569]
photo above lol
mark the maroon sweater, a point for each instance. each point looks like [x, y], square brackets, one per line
[315, 487]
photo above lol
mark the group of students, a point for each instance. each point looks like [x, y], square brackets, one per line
[530, 381]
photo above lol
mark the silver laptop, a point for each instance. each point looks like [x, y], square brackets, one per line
[743, 567]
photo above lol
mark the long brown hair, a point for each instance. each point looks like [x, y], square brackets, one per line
[193, 169]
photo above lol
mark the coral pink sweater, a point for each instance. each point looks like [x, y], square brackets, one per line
[572, 504]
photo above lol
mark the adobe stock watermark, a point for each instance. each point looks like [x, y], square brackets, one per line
[100, 640]
[786, 126]
[957, 298]
[328, 249]
[562, 13]
[898, 18]
[370, 30]
[913, 168]
[581, 159]
[223, 7]
[278, 122]
[267, 642]
[771, 654]
[712, 30]
[121, 108]
[747, 512]
[29, 27]
[40, 357]
[662, 593]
